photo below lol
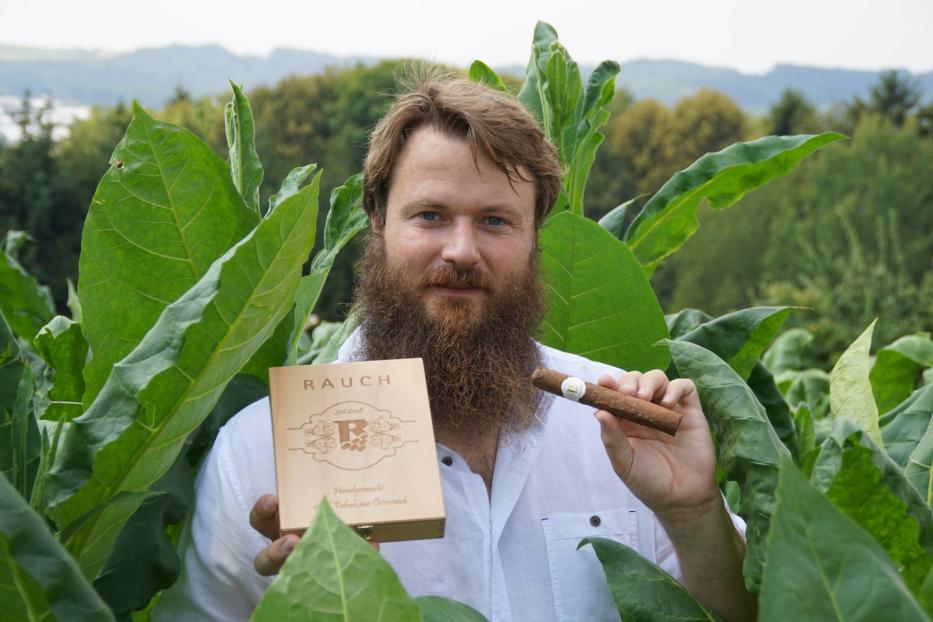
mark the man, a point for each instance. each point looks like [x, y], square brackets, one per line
[458, 180]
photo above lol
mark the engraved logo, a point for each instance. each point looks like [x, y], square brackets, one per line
[351, 435]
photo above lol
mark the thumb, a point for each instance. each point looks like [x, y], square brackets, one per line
[616, 443]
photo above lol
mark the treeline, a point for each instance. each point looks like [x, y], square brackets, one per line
[850, 235]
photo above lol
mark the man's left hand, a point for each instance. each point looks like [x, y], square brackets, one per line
[675, 476]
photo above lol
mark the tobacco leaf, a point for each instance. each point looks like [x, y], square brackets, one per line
[38, 579]
[823, 566]
[600, 304]
[724, 177]
[345, 219]
[857, 476]
[333, 574]
[245, 168]
[904, 425]
[159, 393]
[162, 214]
[850, 393]
[749, 449]
[896, 367]
[641, 590]
[740, 337]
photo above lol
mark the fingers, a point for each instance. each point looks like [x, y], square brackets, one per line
[646, 386]
[270, 559]
[264, 517]
[616, 443]
[677, 390]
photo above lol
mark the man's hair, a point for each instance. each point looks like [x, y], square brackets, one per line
[493, 123]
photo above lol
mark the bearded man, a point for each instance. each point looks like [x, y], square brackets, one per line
[458, 180]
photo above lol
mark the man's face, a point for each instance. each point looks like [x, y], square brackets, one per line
[457, 230]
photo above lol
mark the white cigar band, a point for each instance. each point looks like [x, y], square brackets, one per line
[573, 388]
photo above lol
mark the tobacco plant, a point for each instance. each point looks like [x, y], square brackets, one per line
[189, 290]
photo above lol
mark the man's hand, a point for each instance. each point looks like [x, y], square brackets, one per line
[675, 476]
[264, 518]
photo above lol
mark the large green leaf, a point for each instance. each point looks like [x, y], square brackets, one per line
[896, 368]
[532, 95]
[904, 425]
[724, 177]
[155, 397]
[822, 566]
[762, 384]
[61, 345]
[749, 449]
[38, 579]
[484, 74]
[850, 392]
[862, 481]
[25, 304]
[245, 168]
[333, 574]
[569, 114]
[592, 113]
[345, 219]
[641, 590]
[740, 338]
[163, 212]
[600, 304]
[919, 469]
[143, 560]
[787, 351]
[440, 609]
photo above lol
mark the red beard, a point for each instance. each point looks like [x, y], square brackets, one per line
[478, 353]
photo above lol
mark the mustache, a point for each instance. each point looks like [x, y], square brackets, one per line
[456, 277]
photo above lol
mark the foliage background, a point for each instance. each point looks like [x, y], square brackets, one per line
[877, 188]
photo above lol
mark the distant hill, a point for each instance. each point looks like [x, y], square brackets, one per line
[152, 75]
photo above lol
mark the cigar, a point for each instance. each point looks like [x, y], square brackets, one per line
[640, 411]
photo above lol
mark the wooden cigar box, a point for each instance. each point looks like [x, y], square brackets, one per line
[361, 435]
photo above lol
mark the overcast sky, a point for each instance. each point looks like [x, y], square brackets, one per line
[751, 36]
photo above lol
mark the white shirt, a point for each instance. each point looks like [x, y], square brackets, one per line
[511, 554]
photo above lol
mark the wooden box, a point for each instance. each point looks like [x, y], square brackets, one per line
[361, 435]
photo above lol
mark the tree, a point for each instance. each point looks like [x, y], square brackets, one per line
[894, 97]
[792, 114]
[35, 198]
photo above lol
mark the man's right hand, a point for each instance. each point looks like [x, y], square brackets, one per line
[264, 518]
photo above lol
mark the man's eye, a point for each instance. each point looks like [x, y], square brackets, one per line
[495, 221]
[429, 216]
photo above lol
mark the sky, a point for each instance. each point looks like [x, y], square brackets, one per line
[750, 36]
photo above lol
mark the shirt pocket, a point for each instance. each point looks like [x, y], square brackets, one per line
[577, 578]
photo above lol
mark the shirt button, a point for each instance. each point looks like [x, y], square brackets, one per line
[595, 520]
[447, 460]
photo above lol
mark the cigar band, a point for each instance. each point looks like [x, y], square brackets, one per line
[573, 388]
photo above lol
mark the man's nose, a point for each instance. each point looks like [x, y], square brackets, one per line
[460, 247]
